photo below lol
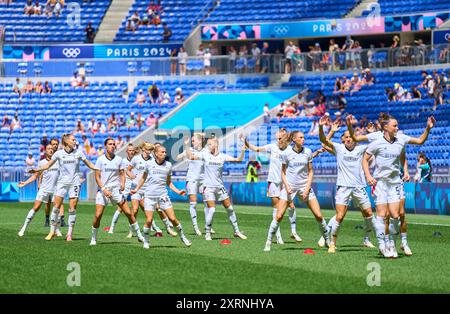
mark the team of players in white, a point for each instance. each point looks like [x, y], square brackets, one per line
[147, 175]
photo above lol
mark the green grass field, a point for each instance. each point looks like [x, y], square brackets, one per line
[121, 265]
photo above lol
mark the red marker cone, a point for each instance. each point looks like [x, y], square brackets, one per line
[309, 251]
[106, 229]
[225, 241]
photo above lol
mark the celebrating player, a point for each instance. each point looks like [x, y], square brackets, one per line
[68, 181]
[214, 189]
[386, 179]
[159, 172]
[297, 175]
[110, 178]
[350, 184]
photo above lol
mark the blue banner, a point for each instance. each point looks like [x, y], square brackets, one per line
[73, 52]
[441, 37]
[9, 191]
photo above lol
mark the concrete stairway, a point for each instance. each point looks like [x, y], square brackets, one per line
[112, 20]
[357, 11]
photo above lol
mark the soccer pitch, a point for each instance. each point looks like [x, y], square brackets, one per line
[120, 265]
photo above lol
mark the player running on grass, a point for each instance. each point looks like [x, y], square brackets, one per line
[350, 185]
[375, 135]
[213, 183]
[46, 188]
[68, 182]
[138, 164]
[194, 177]
[297, 175]
[274, 181]
[159, 172]
[386, 180]
[110, 178]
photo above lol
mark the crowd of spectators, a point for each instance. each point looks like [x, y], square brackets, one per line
[151, 16]
[31, 88]
[11, 124]
[51, 7]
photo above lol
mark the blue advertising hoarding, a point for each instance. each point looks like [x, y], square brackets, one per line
[441, 37]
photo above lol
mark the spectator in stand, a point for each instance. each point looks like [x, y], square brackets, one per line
[415, 93]
[151, 120]
[167, 33]
[182, 59]
[135, 18]
[337, 85]
[399, 91]
[131, 121]
[265, 57]
[316, 55]
[48, 10]
[140, 98]
[371, 56]
[179, 97]
[37, 8]
[368, 78]
[28, 9]
[145, 20]
[200, 51]
[119, 142]
[430, 86]
[289, 111]
[29, 162]
[44, 142]
[131, 26]
[243, 52]
[90, 33]
[100, 150]
[356, 55]
[320, 109]
[356, 83]
[57, 9]
[346, 84]
[86, 144]
[91, 125]
[347, 48]
[112, 123]
[341, 103]
[47, 88]
[79, 128]
[207, 61]
[280, 112]
[440, 83]
[334, 57]
[297, 61]
[15, 123]
[92, 150]
[256, 53]
[165, 98]
[289, 52]
[101, 127]
[232, 53]
[18, 87]
[121, 122]
[38, 88]
[424, 169]
[6, 122]
[140, 120]
[28, 88]
[153, 93]
[76, 80]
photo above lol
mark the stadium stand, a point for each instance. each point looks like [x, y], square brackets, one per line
[276, 10]
[180, 16]
[412, 6]
[42, 28]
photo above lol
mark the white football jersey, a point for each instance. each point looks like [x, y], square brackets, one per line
[213, 168]
[196, 168]
[110, 171]
[69, 166]
[139, 164]
[379, 135]
[349, 165]
[125, 163]
[297, 166]
[157, 178]
[387, 158]
[49, 176]
[275, 162]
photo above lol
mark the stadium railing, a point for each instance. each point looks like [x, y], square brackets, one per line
[272, 63]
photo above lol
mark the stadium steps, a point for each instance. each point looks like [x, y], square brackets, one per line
[118, 10]
[358, 9]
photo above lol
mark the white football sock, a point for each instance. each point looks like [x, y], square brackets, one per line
[29, 218]
[293, 219]
[114, 220]
[136, 229]
[209, 219]
[180, 230]
[146, 234]
[274, 225]
[368, 224]
[193, 213]
[232, 217]
[54, 219]
[394, 228]
[404, 238]
[155, 227]
[94, 233]
[72, 220]
[380, 228]
[323, 228]
[334, 228]
[167, 223]
[274, 214]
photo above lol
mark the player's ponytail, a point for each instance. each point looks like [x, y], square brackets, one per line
[64, 139]
[146, 146]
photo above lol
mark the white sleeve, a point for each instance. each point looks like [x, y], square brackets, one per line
[405, 138]
[98, 164]
[267, 148]
[55, 156]
[284, 160]
[337, 147]
[122, 165]
[372, 149]
[82, 156]
[373, 136]
[199, 156]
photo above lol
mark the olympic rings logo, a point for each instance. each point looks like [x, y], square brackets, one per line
[447, 36]
[71, 52]
[281, 30]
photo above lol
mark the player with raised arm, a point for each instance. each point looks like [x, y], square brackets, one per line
[274, 181]
[159, 173]
[350, 184]
[110, 179]
[135, 170]
[386, 180]
[297, 175]
[68, 160]
[213, 183]
[46, 187]
[194, 178]
[375, 135]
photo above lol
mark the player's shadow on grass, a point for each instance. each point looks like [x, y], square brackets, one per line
[165, 246]
[116, 242]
